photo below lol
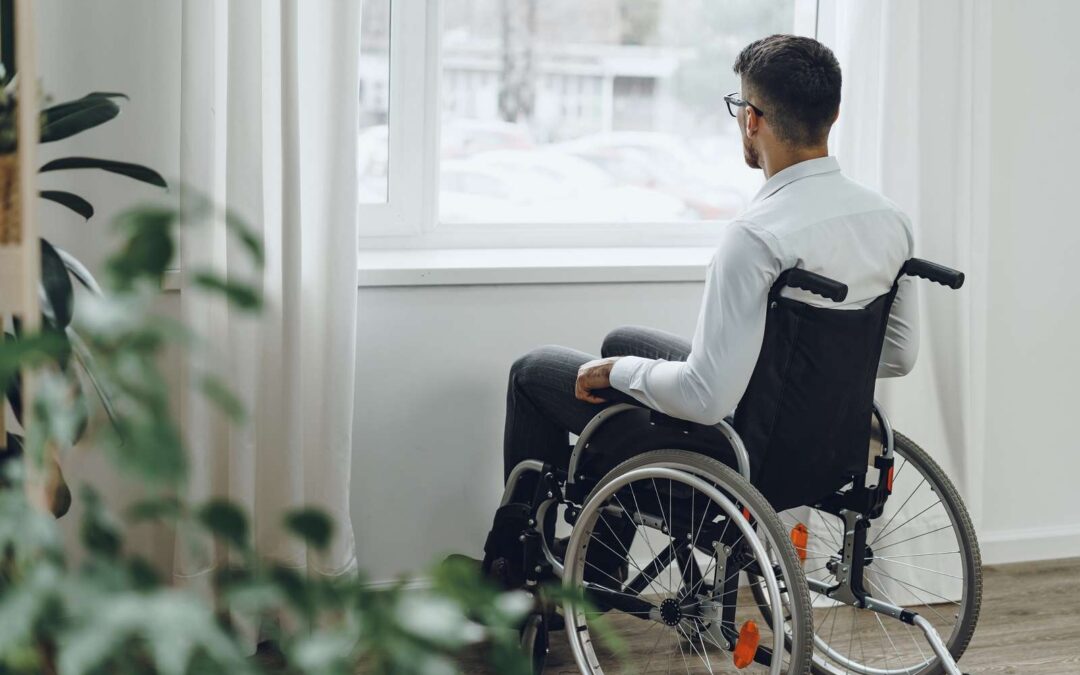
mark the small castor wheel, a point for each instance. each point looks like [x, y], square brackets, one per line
[534, 641]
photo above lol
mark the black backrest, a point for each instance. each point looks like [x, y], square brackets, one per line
[805, 417]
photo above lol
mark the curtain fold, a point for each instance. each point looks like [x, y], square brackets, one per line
[268, 130]
[914, 125]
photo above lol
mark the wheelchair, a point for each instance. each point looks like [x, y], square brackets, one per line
[788, 538]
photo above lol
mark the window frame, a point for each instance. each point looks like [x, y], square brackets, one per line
[415, 102]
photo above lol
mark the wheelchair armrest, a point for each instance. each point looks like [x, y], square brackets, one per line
[613, 395]
[655, 416]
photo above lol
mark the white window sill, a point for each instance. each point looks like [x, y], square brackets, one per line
[449, 267]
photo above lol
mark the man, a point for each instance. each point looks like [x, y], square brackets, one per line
[807, 214]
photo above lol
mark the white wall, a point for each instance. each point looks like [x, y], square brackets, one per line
[434, 360]
[432, 373]
[1033, 448]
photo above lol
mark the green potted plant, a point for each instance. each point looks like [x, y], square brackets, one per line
[112, 612]
[57, 122]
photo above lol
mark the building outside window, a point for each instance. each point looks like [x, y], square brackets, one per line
[571, 111]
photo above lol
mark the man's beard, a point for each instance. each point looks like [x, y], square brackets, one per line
[750, 154]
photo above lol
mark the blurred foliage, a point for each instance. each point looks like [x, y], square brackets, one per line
[112, 612]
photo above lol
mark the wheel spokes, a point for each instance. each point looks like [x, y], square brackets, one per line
[686, 572]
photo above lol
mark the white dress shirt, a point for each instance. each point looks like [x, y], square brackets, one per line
[811, 216]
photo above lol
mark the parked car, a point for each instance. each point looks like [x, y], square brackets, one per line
[539, 186]
[662, 162]
[462, 137]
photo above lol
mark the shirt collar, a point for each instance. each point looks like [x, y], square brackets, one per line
[798, 171]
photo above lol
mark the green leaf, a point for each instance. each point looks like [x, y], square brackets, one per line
[99, 534]
[79, 271]
[311, 525]
[174, 627]
[247, 236]
[107, 94]
[326, 653]
[56, 284]
[71, 201]
[148, 247]
[225, 520]
[89, 366]
[14, 387]
[292, 586]
[90, 99]
[135, 171]
[29, 351]
[155, 508]
[239, 294]
[143, 575]
[67, 119]
[219, 393]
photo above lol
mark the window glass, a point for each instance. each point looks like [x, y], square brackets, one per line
[374, 139]
[574, 111]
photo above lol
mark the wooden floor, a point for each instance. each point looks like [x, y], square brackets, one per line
[1030, 625]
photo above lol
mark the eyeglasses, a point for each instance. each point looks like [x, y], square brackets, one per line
[733, 101]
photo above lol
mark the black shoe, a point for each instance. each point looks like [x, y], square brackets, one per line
[556, 621]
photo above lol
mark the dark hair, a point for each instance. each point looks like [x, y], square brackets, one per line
[796, 81]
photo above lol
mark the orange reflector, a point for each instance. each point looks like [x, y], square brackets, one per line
[746, 513]
[888, 480]
[799, 536]
[746, 646]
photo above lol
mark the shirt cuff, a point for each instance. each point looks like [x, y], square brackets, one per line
[624, 370]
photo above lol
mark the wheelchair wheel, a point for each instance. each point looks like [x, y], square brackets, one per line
[534, 641]
[659, 548]
[922, 555]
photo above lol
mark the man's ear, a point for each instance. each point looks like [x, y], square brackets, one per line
[752, 122]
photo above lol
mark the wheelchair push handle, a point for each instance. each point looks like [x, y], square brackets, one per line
[924, 269]
[816, 284]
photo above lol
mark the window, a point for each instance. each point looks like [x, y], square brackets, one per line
[374, 139]
[533, 122]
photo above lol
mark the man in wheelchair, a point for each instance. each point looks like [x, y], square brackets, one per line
[808, 299]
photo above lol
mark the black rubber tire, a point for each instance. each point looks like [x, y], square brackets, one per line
[534, 641]
[741, 491]
[958, 642]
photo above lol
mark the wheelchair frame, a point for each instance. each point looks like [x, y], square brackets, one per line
[856, 504]
[856, 507]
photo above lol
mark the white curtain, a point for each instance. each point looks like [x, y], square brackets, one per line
[914, 125]
[269, 112]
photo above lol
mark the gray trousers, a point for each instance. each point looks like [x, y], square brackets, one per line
[540, 403]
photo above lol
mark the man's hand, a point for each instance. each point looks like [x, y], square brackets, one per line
[595, 374]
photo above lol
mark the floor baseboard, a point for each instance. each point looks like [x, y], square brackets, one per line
[1030, 544]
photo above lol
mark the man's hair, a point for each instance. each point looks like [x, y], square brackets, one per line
[796, 81]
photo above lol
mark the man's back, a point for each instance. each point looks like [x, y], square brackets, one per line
[821, 221]
[809, 216]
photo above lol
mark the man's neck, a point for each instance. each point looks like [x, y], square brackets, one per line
[776, 162]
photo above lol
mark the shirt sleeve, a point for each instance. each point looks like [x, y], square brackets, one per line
[902, 332]
[901, 345]
[727, 339]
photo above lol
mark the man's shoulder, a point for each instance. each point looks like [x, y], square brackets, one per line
[807, 203]
[872, 199]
